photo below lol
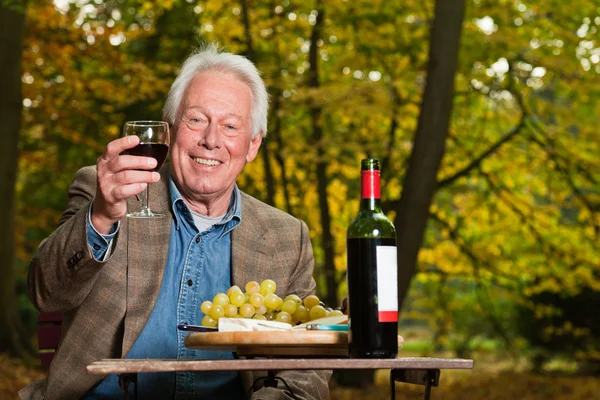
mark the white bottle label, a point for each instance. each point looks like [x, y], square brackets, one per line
[387, 283]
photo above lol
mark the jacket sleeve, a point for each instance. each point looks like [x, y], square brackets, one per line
[63, 269]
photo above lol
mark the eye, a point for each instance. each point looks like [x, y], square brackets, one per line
[230, 129]
[194, 122]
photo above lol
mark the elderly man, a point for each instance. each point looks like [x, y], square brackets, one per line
[124, 284]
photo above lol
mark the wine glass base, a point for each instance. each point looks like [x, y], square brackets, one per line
[145, 214]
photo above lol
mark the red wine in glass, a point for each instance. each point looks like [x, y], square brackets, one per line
[153, 138]
[155, 150]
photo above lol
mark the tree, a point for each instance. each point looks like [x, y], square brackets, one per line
[12, 25]
[420, 180]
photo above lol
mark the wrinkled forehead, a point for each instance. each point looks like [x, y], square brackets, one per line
[225, 75]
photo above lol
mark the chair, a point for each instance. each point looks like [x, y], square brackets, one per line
[49, 329]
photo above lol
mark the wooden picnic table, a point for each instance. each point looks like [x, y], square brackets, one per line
[285, 352]
[419, 370]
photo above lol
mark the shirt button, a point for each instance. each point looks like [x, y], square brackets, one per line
[197, 239]
[96, 246]
[190, 282]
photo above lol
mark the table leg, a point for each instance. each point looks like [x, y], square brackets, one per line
[124, 381]
[271, 381]
[427, 393]
[426, 377]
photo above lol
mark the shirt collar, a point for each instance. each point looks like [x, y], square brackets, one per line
[181, 210]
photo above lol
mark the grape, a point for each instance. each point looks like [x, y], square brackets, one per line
[230, 310]
[335, 313]
[293, 297]
[257, 299]
[260, 302]
[271, 301]
[270, 315]
[289, 306]
[206, 307]
[237, 298]
[217, 311]
[234, 288]
[301, 314]
[221, 299]
[317, 312]
[252, 287]
[267, 286]
[261, 310]
[284, 317]
[345, 305]
[311, 301]
[247, 310]
[209, 321]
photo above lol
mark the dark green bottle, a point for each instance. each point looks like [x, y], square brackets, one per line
[372, 273]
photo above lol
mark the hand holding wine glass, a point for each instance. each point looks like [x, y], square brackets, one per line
[153, 143]
[120, 176]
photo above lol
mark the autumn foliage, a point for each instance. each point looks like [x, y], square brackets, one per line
[516, 212]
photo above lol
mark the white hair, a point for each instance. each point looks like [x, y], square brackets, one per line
[209, 58]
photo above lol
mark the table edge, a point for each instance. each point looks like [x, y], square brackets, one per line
[119, 366]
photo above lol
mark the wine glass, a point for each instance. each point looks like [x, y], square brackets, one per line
[153, 138]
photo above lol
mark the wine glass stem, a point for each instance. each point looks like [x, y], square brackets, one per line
[145, 208]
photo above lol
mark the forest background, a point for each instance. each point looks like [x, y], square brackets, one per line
[485, 116]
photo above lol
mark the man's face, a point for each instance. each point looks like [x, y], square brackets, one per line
[211, 143]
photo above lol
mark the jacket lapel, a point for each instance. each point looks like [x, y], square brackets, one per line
[249, 245]
[147, 251]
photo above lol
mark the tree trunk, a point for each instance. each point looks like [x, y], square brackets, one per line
[276, 134]
[420, 180]
[275, 119]
[250, 54]
[12, 24]
[321, 165]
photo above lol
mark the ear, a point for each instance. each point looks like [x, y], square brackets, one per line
[254, 146]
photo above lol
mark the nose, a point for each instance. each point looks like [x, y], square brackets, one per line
[210, 138]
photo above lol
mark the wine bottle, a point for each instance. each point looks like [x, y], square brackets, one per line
[372, 273]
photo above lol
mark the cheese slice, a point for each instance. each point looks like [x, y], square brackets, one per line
[248, 325]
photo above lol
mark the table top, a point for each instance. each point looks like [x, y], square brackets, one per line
[120, 366]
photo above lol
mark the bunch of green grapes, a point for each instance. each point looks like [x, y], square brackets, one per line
[259, 301]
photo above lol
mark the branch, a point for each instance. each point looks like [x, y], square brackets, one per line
[557, 161]
[477, 162]
[476, 262]
[552, 249]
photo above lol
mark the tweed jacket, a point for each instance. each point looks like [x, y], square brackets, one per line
[105, 305]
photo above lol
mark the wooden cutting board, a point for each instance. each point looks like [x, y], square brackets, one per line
[269, 343]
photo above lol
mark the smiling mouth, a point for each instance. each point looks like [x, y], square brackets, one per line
[204, 161]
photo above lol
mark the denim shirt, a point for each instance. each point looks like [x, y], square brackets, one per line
[198, 267]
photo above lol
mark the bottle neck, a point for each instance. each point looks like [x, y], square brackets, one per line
[370, 189]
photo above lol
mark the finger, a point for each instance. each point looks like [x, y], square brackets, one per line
[131, 176]
[117, 146]
[127, 162]
[124, 191]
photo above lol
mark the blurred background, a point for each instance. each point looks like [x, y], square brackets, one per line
[485, 115]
